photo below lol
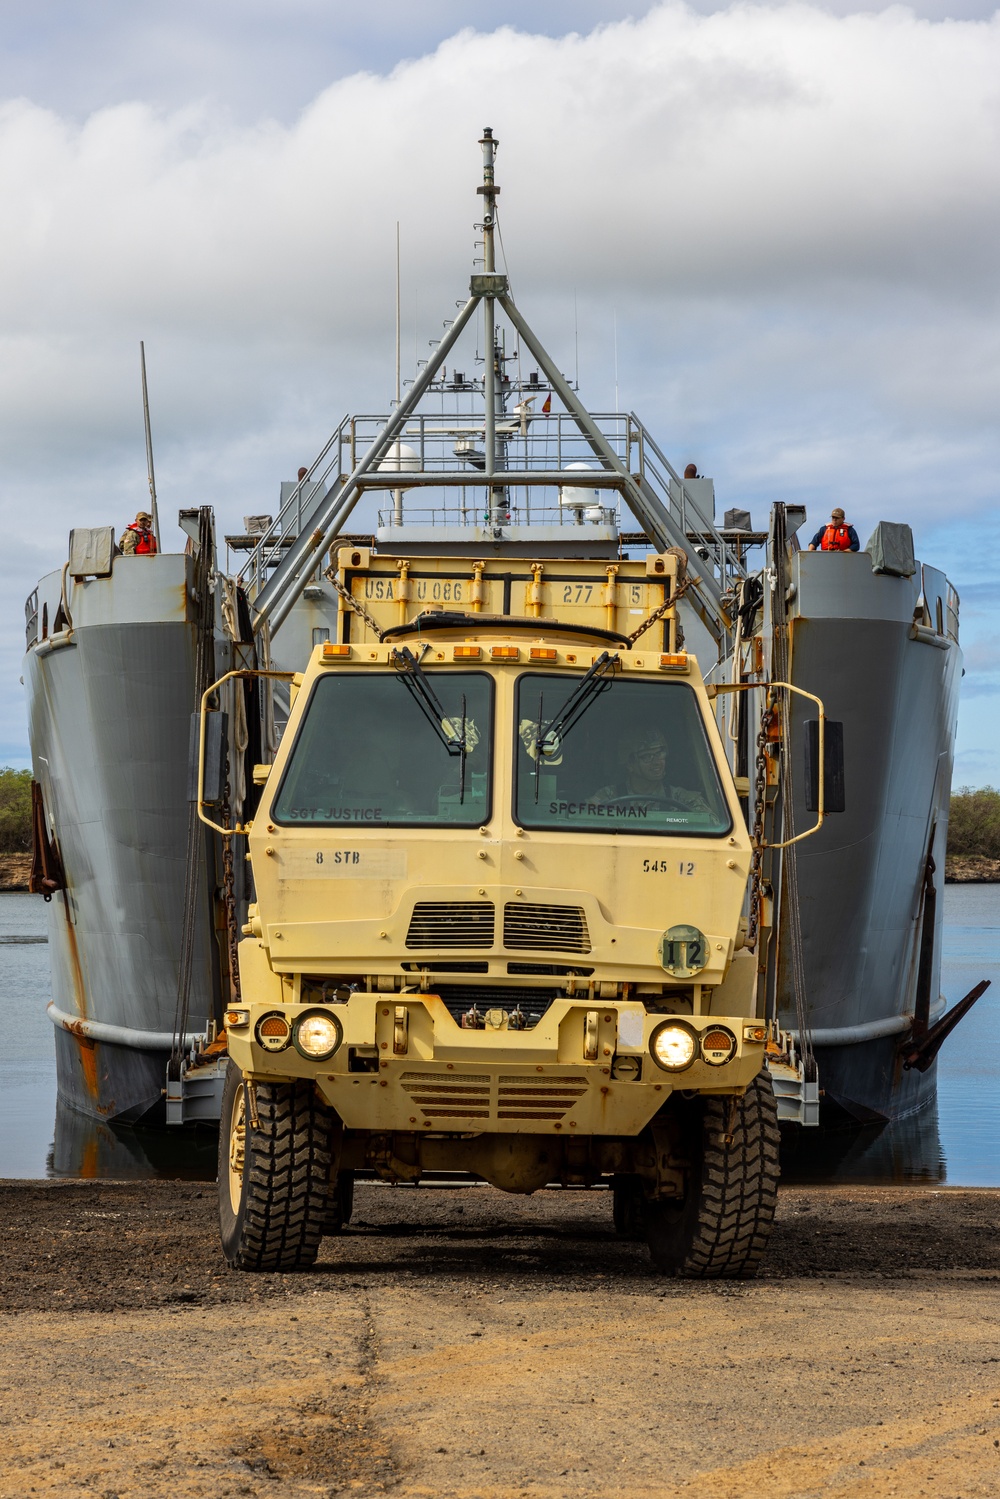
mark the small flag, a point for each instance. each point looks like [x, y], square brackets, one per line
[547, 403]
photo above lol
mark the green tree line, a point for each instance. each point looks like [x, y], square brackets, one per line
[15, 811]
[974, 824]
[974, 827]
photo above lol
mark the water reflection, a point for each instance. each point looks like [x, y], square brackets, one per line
[907, 1150]
[89, 1150]
[963, 1130]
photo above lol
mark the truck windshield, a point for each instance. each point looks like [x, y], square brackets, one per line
[367, 753]
[638, 761]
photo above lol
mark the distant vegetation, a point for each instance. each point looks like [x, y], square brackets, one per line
[974, 825]
[973, 829]
[15, 811]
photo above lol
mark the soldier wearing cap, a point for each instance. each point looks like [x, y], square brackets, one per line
[137, 540]
[838, 536]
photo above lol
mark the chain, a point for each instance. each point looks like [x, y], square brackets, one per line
[647, 623]
[759, 808]
[229, 893]
[352, 603]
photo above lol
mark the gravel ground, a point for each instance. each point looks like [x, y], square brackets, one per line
[459, 1342]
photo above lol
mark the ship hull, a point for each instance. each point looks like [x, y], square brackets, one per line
[110, 705]
[860, 880]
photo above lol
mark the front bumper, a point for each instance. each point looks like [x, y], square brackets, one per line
[405, 1064]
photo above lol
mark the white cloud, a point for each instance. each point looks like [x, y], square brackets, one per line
[793, 215]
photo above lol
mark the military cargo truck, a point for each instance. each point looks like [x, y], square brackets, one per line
[500, 867]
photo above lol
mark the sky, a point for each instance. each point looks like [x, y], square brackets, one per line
[778, 221]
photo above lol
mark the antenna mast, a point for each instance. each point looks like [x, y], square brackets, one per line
[149, 446]
[397, 507]
[488, 192]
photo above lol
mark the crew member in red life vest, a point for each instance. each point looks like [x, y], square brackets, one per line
[137, 540]
[836, 537]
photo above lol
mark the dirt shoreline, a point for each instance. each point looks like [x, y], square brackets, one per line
[458, 1342]
[14, 871]
[971, 869]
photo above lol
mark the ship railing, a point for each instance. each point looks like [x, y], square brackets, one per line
[474, 510]
[656, 470]
[535, 451]
[534, 442]
[31, 619]
[295, 514]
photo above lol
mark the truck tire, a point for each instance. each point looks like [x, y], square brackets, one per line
[273, 1179]
[721, 1228]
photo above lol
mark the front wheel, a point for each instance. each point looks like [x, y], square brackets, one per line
[722, 1226]
[273, 1175]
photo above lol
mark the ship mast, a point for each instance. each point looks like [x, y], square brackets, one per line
[489, 191]
[646, 494]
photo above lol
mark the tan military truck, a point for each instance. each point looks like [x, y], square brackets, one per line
[500, 867]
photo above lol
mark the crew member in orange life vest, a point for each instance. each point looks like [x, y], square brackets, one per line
[836, 537]
[137, 539]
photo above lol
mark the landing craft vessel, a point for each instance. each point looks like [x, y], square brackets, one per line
[489, 503]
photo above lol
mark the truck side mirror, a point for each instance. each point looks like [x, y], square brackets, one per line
[833, 765]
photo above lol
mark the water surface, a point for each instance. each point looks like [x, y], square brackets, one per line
[957, 1142]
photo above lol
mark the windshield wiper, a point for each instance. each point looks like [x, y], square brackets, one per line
[598, 680]
[414, 678]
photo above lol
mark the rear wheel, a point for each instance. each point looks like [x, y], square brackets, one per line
[722, 1226]
[273, 1176]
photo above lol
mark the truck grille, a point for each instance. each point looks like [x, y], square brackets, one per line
[478, 1096]
[460, 998]
[538, 1098]
[440, 1097]
[545, 928]
[451, 923]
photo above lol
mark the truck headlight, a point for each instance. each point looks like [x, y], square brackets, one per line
[673, 1046]
[316, 1035]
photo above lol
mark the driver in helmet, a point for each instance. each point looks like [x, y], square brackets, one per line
[644, 777]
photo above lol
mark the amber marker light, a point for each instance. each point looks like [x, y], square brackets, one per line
[718, 1045]
[541, 653]
[466, 653]
[755, 1033]
[273, 1032]
[236, 1018]
[505, 653]
[335, 652]
[674, 662]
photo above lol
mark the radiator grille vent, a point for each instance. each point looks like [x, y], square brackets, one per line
[440, 1097]
[478, 1096]
[524, 1098]
[451, 923]
[545, 928]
